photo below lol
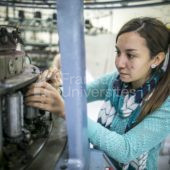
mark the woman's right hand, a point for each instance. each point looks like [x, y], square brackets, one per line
[44, 96]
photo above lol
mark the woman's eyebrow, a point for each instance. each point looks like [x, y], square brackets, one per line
[128, 50]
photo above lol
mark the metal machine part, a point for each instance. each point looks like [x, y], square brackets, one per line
[29, 137]
[1, 134]
[11, 60]
[11, 63]
[31, 113]
[13, 115]
[9, 37]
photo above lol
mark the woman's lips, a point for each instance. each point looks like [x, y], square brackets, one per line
[123, 73]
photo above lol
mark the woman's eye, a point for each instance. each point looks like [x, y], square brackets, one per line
[130, 56]
[117, 53]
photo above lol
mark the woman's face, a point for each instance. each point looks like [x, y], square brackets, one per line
[133, 59]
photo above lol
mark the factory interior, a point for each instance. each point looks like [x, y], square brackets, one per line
[35, 139]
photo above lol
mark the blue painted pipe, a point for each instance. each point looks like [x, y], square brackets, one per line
[71, 38]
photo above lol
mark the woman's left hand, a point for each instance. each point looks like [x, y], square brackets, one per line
[44, 96]
[52, 76]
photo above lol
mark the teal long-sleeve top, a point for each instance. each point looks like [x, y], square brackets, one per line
[125, 147]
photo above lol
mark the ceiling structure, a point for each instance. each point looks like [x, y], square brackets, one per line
[88, 4]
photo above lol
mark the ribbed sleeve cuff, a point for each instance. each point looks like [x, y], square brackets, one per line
[92, 128]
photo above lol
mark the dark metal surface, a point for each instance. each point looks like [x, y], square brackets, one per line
[11, 63]
[28, 76]
[107, 2]
[42, 154]
[52, 150]
[19, 154]
[93, 4]
[99, 161]
[13, 115]
[123, 5]
[9, 37]
[1, 135]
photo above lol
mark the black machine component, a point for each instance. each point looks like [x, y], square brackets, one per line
[9, 40]
[11, 60]
[21, 15]
[29, 138]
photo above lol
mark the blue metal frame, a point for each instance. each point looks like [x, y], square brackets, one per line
[71, 37]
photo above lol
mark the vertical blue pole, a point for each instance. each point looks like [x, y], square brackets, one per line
[71, 38]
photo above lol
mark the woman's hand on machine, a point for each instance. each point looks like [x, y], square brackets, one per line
[44, 96]
[52, 76]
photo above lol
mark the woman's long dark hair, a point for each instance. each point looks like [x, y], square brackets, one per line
[157, 38]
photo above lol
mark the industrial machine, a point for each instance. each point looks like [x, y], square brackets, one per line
[32, 139]
[28, 136]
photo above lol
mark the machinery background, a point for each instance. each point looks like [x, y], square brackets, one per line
[38, 29]
[25, 132]
[31, 138]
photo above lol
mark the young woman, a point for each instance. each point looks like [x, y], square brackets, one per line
[135, 116]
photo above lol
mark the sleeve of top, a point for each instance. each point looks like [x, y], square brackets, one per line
[140, 139]
[97, 89]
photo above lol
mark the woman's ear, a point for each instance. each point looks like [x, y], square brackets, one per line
[158, 59]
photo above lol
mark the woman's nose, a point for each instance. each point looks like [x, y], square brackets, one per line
[120, 62]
